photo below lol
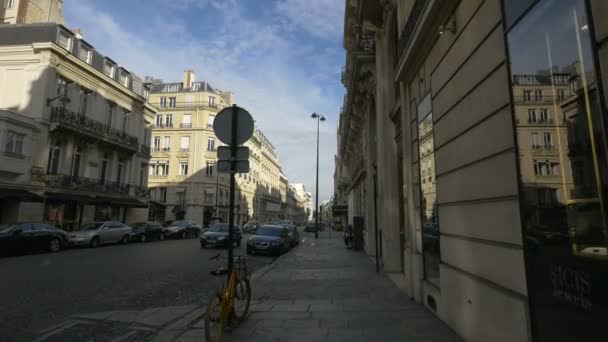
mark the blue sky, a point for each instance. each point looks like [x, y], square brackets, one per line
[281, 58]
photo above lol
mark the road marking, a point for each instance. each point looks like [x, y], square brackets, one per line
[59, 329]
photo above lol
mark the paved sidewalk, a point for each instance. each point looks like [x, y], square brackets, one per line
[321, 291]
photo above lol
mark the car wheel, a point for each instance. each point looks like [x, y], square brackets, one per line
[142, 238]
[161, 237]
[183, 235]
[54, 245]
[94, 242]
[125, 240]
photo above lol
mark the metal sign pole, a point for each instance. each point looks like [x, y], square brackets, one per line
[233, 148]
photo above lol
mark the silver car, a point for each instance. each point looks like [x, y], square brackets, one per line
[99, 233]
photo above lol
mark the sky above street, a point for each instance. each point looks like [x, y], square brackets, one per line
[281, 58]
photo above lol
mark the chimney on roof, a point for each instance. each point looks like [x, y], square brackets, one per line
[188, 78]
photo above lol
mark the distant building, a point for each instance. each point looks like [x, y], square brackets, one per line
[31, 11]
[74, 126]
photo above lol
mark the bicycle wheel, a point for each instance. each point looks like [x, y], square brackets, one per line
[242, 299]
[214, 324]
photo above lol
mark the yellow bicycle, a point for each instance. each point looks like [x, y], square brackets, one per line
[228, 306]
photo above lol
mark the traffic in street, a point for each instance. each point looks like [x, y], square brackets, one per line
[42, 289]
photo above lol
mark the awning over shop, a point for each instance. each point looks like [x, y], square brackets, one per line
[70, 196]
[129, 202]
[21, 194]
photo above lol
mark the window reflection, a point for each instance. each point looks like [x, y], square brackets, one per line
[561, 144]
[430, 217]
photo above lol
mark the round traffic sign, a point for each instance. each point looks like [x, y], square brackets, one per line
[222, 125]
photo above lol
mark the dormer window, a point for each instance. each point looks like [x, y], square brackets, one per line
[85, 53]
[124, 79]
[65, 40]
[109, 68]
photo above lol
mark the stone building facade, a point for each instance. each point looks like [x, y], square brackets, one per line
[74, 128]
[472, 150]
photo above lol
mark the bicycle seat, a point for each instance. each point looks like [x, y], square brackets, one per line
[219, 272]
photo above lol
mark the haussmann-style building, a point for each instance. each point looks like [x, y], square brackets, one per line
[472, 152]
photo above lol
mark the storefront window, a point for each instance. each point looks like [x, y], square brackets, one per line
[428, 199]
[563, 179]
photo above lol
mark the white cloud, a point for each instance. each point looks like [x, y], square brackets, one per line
[259, 62]
[322, 18]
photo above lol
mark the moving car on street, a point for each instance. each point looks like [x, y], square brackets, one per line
[182, 229]
[99, 233]
[23, 237]
[269, 239]
[146, 231]
[217, 236]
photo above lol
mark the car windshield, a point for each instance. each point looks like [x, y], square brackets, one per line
[268, 231]
[5, 228]
[219, 228]
[91, 226]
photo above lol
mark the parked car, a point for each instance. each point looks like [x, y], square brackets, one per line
[99, 233]
[145, 231]
[250, 226]
[217, 235]
[269, 239]
[182, 229]
[23, 237]
[294, 235]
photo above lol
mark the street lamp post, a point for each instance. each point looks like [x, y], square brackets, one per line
[319, 118]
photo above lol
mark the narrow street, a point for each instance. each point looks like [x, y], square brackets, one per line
[40, 290]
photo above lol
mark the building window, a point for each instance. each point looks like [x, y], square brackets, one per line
[163, 102]
[169, 120]
[162, 194]
[76, 158]
[209, 196]
[210, 120]
[159, 168]
[183, 168]
[109, 113]
[189, 100]
[527, 95]
[561, 94]
[124, 120]
[84, 101]
[184, 144]
[186, 121]
[62, 86]
[172, 102]
[142, 174]
[167, 144]
[428, 209]
[546, 168]
[538, 94]
[543, 115]
[103, 169]
[210, 144]
[209, 168]
[156, 144]
[548, 140]
[54, 153]
[211, 101]
[10, 4]
[181, 198]
[109, 69]
[531, 115]
[14, 142]
[65, 40]
[85, 53]
[119, 171]
[124, 79]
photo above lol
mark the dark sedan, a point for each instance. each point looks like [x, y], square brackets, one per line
[217, 236]
[146, 231]
[269, 239]
[24, 237]
[182, 229]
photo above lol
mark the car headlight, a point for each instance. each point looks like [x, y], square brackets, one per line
[276, 242]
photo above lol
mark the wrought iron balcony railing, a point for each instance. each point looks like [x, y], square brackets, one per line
[68, 182]
[81, 124]
[410, 26]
